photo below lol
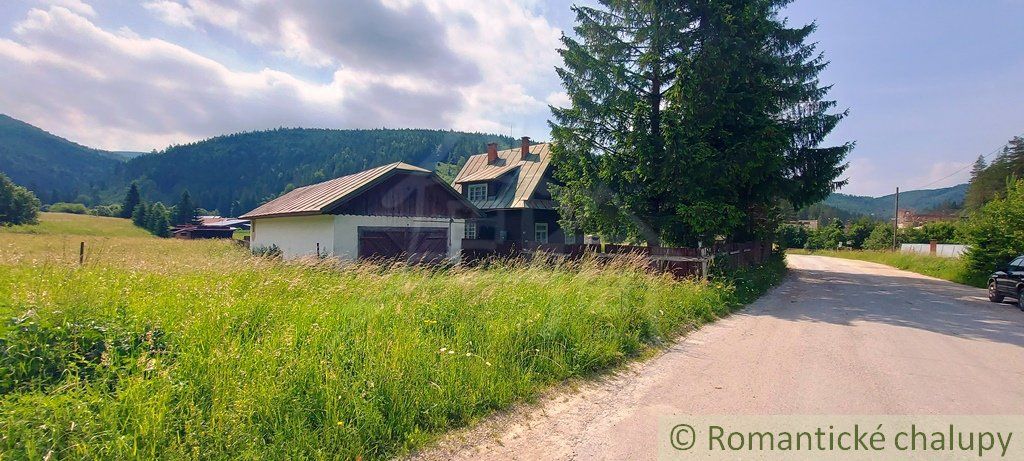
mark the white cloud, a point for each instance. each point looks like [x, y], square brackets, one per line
[403, 63]
[77, 6]
[172, 13]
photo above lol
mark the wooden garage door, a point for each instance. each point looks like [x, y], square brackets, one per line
[414, 244]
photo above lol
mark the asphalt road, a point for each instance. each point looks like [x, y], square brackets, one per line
[837, 337]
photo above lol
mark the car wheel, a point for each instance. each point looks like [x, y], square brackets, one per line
[1020, 302]
[993, 294]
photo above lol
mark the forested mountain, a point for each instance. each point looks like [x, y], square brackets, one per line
[916, 200]
[235, 173]
[231, 174]
[53, 167]
[988, 180]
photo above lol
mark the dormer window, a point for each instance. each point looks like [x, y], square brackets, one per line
[476, 192]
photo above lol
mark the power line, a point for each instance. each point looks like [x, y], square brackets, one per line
[999, 149]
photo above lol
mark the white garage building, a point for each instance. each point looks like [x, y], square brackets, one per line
[392, 211]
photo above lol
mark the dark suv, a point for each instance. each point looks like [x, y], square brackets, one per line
[1008, 282]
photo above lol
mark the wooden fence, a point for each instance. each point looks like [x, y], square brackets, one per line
[681, 262]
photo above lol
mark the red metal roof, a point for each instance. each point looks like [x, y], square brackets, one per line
[315, 198]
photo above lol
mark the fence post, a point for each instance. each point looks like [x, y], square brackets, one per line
[704, 263]
[81, 254]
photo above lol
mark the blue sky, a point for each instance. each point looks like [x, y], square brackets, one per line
[929, 84]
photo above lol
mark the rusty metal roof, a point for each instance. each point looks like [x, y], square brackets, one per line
[517, 193]
[317, 198]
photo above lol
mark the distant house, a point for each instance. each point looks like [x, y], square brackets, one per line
[210, 227]
[392, 211]
[511, 188]
[810, 224]
[911, 219]
[219, 221]
[193, 231]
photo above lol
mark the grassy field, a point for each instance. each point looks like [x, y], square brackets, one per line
[195, 349]
[68, 224]
[952, 269]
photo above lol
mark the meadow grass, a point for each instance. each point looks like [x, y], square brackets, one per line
[194, 349]
[77, 224]
[952, 269]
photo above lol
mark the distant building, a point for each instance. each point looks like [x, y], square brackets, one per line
[392, 211]
[218, 221]
[193, 231]
[810, 224]
[510, 187]
[210, 227]
[911, 219]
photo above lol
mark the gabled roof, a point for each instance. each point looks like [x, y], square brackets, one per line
[322, 197]
[517, 193]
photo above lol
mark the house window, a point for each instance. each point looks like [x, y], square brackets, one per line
[477, 192]
[470, 230]
[503, 235]
[570, 239]
[540, 232]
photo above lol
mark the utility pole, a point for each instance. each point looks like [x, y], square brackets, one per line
[896, 221]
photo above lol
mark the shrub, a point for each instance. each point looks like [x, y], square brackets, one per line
[18, 205]
[106, 210]
[995, 232]
[792, 236]
[272, 251]
[62, 207]
[880, 238]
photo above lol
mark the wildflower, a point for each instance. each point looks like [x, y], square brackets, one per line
[443, 350]
[341, 423]
[487, 363]
[469, 354]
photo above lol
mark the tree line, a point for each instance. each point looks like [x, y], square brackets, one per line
[988, 180]
[156, 217]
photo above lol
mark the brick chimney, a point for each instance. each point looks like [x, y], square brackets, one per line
[492, 153]
[525, 147]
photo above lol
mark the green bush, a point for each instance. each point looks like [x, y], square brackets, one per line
[880, 238]
[18, 205]
[792, 236]
[73, 208]
[995, 232]
[106, 210]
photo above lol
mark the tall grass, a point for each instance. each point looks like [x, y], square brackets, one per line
[76, 224]
[952, 269]
[177, 349]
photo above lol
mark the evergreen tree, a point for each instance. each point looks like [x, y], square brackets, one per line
[132, 199]
[140, 215]
[610, 144]
[157, 214]
[185, 210]
[978, 168]
[989, 182]
[691, 120]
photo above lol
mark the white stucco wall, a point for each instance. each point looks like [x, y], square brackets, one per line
[338, 235]
[296, 236]
[346, 231]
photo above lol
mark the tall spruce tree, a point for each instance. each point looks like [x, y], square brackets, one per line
[132, 199]
[610, 144]
[692, 120]
[184, 210]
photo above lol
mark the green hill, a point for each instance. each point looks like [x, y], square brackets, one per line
[235, 173]
[53, 167]
[917, 200]
[231, 174]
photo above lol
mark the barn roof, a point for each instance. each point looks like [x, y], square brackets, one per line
[321, 197]
[517, 193]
